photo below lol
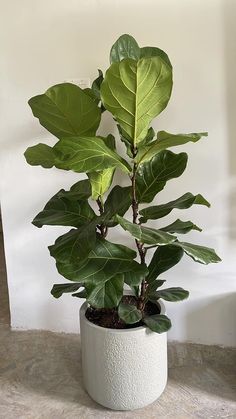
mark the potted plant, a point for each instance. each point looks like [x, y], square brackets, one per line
[124, 349]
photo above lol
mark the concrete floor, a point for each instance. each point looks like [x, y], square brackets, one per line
[40, 377]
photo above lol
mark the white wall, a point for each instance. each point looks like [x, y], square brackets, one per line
[48, 41]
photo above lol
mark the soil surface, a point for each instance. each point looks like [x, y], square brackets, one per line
[108, 317]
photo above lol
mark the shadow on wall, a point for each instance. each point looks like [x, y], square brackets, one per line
[229, 27]
[210, 320]
[4, 298]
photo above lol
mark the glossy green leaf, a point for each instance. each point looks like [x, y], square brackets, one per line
[125, 47]
[135, 290]
[41, 155]
[88, 91]
[184, 202]
[96, 85]
[132, 102]
[152, 286]
[59, 289]
[80, 294]
[117, 202]
[101, 181]
[133, 278]
[164, 258]
[80, 190]
[180, 227]
[170, 294]
[60, 210]
[154, 52]
[105, 294]
[126, 140]
[158, 323]
[145, 234]
[129, 313]
[74, 245]
[149, 137]
[104, 261]
[88, 154]
[198, 253]
[65, 111]
[165, 140]
[152, 176]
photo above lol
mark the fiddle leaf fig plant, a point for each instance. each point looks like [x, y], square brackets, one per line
[135, 89]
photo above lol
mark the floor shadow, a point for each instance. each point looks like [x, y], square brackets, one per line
[208, 368]
[44, 363]
[218, 381]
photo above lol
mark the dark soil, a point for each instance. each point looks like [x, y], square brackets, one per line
[108, 317]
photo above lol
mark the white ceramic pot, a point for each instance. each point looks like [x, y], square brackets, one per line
[123, 369]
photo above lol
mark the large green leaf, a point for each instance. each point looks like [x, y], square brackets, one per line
[88, 154]
[59, 289]
[154, 52]
[41, 155]
[180, 227]
[65, 110]
[74, 245]
[104, 261]
[158, 323]
[198, 253]
[105, 294]
[101, 181]
[164, 258]
[184, 202]
[117, 202]
[80, 154]
[135, 92]
[124, 47]
[165, 140]
[133, 278]
[127, 47]
[60, 210]
[129, 313]
[169, 294]
[152, 176]
[145, 234]
[80, 190]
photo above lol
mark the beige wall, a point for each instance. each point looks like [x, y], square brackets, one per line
[49, 41]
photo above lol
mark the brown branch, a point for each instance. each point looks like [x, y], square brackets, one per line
[141, 250]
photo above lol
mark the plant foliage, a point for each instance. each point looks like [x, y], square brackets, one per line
[135, 89]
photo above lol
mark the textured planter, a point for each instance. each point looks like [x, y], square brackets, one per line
[123, 369]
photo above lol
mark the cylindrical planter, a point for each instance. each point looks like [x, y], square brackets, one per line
[123, 369]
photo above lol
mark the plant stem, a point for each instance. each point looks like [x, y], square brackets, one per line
[149, 247]
[102, 228]
[139, 245]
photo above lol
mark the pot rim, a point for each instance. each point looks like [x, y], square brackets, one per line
[85, 305]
